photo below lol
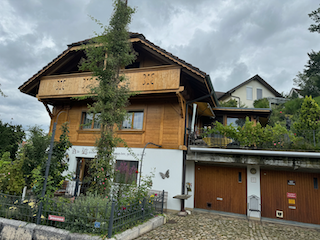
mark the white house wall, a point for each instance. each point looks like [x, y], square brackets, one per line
[242, 93]
[253, 187]
[189, 203]
[154, 162]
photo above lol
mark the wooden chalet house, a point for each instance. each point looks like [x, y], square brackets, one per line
[163, 113]
[164, 82]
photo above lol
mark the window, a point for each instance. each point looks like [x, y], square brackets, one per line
[126, 171]
[236, 121]
[90, 121]
[315, 183]
[134, 120]
[249, 93]
[240, 177]
[259, 93]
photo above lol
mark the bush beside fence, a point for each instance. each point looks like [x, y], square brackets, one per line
[86, 214]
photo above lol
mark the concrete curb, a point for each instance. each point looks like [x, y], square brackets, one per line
[141, 229]
[14, 229]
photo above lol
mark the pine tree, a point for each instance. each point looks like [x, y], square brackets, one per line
[309, 115]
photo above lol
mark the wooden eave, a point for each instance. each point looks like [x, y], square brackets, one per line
[265, 112]
[29, 87]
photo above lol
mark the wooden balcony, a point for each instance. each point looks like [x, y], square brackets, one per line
[142, 80]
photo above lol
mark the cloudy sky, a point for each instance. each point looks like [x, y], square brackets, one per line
[230, 40]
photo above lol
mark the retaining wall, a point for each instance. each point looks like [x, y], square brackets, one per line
[14, 229]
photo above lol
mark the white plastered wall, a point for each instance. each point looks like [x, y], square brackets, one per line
[154, 162]
[189, 203]
[242, 93]
[253, 187]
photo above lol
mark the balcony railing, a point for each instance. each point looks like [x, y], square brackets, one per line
[306, 140]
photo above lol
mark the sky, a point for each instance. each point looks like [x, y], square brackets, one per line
[230, 40]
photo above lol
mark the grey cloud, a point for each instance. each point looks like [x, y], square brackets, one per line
[269, 38]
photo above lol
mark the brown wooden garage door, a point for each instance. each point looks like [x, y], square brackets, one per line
[297, 194]
[220, 188]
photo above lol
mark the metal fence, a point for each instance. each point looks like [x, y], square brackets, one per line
[305, 140]
[85, 214]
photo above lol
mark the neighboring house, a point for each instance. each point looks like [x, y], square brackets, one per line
[295, 92]
[253, 89]
[175, 102]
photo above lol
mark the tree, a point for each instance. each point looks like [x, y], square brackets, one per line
[35, 155]
[309, 116]
[229, 103]
[261, 103]
[1, 93]
[11, 137]
[309, 80]
[11, 175]
[106, 54]
[315, 16]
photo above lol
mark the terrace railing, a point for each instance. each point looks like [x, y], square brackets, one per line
[303, 140]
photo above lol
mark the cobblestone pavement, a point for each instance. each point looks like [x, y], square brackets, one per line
[213, 226]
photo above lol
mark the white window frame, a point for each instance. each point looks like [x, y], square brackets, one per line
[249, 88]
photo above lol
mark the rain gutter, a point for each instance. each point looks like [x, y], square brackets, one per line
[257, 152]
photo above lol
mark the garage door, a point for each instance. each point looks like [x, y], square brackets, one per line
[220, 188]
[293, 196]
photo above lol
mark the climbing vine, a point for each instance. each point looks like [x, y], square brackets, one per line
[106, 54]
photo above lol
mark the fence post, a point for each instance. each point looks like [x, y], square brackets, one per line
[39, 212]
[143, 207]
[111, 219]
[162, 200]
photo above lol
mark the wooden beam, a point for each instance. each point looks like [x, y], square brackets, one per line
[48, 110]
[182, 103]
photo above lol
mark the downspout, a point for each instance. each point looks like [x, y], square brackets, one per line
[184, 164]
[236, 97]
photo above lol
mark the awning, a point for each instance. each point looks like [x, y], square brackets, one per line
[204, 109]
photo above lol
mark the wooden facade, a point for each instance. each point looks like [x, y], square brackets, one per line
[295, 194]
[163, 83]
[162, 124]
[221, 188]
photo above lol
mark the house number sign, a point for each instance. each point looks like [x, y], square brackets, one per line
[291, 182]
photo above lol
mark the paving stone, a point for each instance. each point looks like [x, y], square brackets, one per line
[198, 226]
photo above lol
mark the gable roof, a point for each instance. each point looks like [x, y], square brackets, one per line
[257, 78]
[33, 82]
[219, 94]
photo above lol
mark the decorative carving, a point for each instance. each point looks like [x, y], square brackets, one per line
[60, 85]
[86, 83]
[148, 79]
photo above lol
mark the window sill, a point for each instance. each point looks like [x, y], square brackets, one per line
[88, 131]
[130, 131]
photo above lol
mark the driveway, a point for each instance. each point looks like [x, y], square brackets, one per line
[214, 226]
